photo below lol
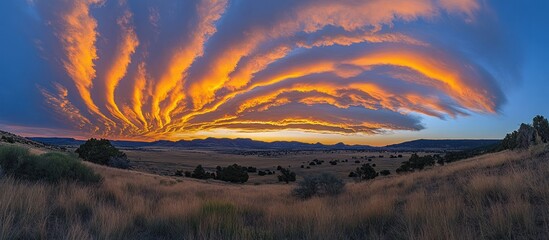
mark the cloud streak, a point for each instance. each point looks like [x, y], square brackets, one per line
[348, 67]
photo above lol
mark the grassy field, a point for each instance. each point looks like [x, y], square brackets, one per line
[163, 161]
[497, 196]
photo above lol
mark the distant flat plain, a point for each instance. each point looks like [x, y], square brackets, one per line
[165, 161]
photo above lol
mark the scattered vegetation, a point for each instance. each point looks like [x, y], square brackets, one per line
[322, 185]
[102, 152]
[18, 163]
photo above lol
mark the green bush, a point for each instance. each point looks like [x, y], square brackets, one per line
[321, 185]
[99, 151]
[51, 167]
[10, 157]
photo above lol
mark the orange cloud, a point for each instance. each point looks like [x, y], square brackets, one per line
[323, 66]
[117, 70]
[78, 36]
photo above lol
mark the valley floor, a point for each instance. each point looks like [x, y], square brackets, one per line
[497, 196]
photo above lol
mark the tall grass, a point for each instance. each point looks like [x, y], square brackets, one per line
[498, 196]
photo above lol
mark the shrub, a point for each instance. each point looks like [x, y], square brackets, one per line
[366, 172]
[527, 136]
[200, 173]
[287, 175]
[321, 185]
[11, 157]
[251, 169]
[51, 167]
[261, 173]
[417, 162]
[99, 151]
[510, 140]
[233, 173]
[384, 172]
[541, 125]
[179, 173]
[188, 174]
[8, 139]
[404, 167]
[438, 159]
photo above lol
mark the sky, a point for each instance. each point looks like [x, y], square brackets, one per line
[356, 71]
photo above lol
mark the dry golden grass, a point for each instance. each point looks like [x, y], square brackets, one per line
[497, 196]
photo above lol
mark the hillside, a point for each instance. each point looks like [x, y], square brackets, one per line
[494, 196]
[10, 138]
[443, 144]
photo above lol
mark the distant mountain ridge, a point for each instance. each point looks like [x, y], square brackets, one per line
[249, 144]
[217, 143]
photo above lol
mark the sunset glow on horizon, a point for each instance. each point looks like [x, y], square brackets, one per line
[360, 72]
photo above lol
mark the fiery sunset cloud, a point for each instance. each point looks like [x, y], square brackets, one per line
[166, 69]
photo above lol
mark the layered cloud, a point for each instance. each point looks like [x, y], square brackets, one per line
[159, 69]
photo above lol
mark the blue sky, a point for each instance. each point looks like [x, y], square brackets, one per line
[363, 72]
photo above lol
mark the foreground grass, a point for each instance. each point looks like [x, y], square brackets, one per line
[498, 196]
